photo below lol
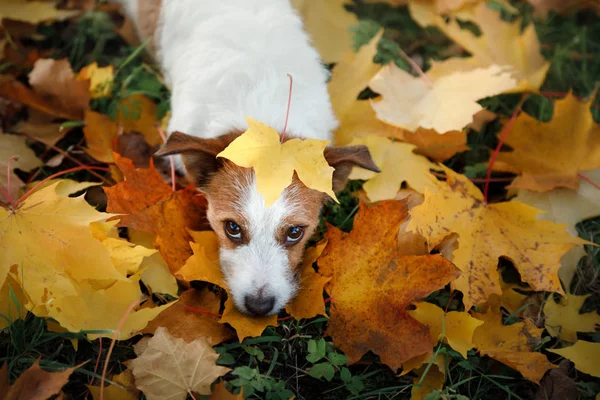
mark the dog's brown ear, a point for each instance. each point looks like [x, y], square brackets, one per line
[199, 155]
[344, 158]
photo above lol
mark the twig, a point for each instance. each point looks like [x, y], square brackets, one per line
[287, 112]
[588, 180]
[503, 137]
[112, 344]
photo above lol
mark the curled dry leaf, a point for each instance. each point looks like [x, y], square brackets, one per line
[15, 91]
[488, 232]
[25, 160]
[584, 355]
[204, 266]
[55, 80]
[458, 325]
[398, 164]
[184, 323]
[274, 162]
[167, 367]
[371, 285]
[564, 320]
[328, 24]
[34, 383]
[433, 381]
[550, 155]
[151, 206]
[512, 345]
[410, 102]
[496, 45]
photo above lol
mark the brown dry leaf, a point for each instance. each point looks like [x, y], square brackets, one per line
[543, 7]
[328, 24]
[350, 77]
[33, 12]
[487, 232]
[15, 91]
[167, 367]
[557, 385]
[434, 380]
[501, 43]
[47, 133]
[398, 164]
[151, 206]
[55, 80]
[411, 102]
[184, 323]
[564, 320]
[125, 390]
[34, 383]
[512, 345]
[371, 285]
[551, 154]
[13, 145]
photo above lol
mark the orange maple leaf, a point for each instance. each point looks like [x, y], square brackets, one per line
[151, 206]
[372, 283]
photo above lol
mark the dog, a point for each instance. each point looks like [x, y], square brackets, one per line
[225, 60]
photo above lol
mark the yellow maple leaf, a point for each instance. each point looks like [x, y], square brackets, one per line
[204, 265]
[274, 162]
[183, 368]
[124, 390]
[584, 355]
[328, 24]
[14, 145]
[567, 206]
[512, 345]
[411, 102]
[100, 78]
[398, 164]
[47, 220]
[564, 320]
[500, 43]
[33, 12]
[490, 231]
[458, 325]
[552, 154]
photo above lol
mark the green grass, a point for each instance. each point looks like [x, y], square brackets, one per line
[294, 357]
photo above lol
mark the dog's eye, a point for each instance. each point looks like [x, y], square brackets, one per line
[233, 231]
[294, 234]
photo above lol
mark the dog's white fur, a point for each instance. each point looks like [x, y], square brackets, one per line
[228, 59]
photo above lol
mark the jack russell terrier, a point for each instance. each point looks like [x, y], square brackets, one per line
[225, 60]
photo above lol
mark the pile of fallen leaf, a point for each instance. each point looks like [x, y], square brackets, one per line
[421, 226]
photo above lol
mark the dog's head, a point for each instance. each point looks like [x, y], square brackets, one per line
[261, 247]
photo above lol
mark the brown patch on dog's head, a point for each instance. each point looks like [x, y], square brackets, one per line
[343, 158]
[199, 155]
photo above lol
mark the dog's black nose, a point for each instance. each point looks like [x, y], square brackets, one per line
[259, 305]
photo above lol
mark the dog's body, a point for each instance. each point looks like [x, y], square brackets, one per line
[225, 60]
